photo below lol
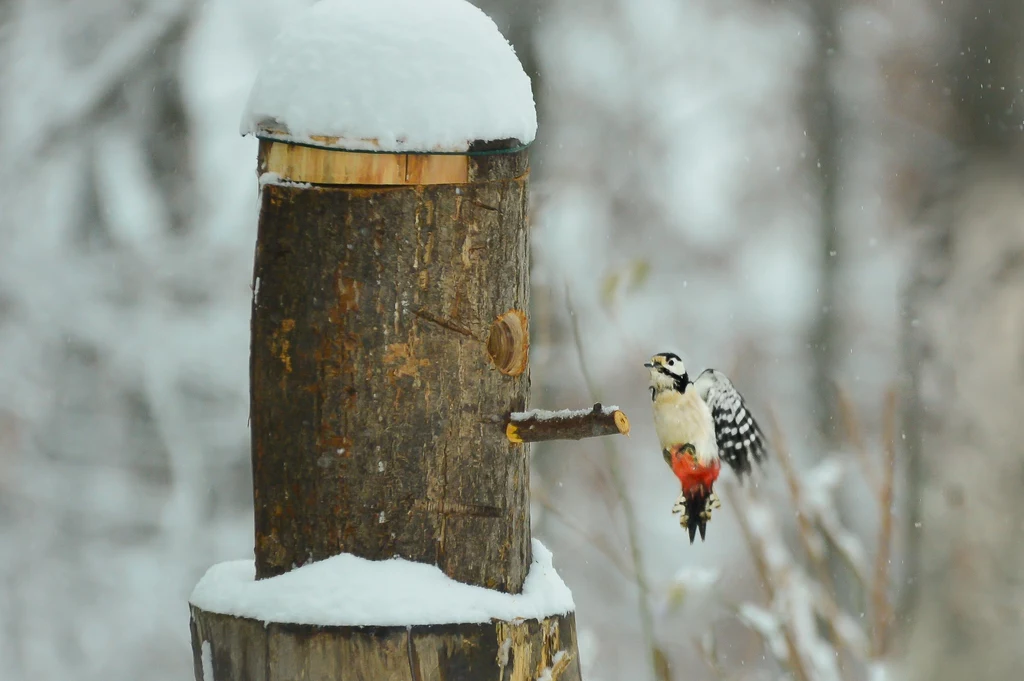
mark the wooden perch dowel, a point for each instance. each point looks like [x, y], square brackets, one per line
[539, 425]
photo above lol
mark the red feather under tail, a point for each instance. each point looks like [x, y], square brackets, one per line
[697, 480]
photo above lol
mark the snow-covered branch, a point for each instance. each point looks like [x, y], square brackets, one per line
[800, 598]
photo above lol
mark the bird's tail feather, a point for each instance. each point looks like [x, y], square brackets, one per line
[696, 512]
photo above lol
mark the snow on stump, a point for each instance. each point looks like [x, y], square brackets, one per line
[389, 346]
[351, 618]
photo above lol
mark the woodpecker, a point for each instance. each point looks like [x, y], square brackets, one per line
[700, 424]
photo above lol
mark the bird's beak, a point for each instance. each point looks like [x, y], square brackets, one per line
[648, 365]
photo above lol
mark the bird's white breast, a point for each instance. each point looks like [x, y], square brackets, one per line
[684, 418]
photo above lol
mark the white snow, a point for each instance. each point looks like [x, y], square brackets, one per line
[546, 415]
[767, 625]
[207, 655]
[691, 584]
[821, 482]
[548, 673]
[818, 488]
[270, 178]
[851, 634]
[503, 651]
[790, 626]
[878, 670]
[392, 75]
[350, 591]
[693, 578]
[278, 179]
[797, 600]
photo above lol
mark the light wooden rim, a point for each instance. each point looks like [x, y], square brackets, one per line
[315, 165]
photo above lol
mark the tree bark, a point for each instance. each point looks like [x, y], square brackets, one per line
[374, 393]
[239, 649]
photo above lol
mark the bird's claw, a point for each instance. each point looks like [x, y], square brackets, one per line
[712, 503]
[680, 507]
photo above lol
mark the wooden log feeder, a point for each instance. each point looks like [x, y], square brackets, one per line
[389, 336]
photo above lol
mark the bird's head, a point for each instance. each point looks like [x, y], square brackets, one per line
[667, 373]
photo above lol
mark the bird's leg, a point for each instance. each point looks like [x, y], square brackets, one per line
[680, 507]
[710, 505]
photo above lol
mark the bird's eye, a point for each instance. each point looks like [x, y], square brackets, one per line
[671, 362]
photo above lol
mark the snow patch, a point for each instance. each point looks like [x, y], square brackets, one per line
[821, 482]
[207, 660]
[688, 584]
[545, 415]
[878, 670]
[695, 579]
[278, 179]
[765, 623]
[350, 591]
[798, 601]
[392, 75]
[503, 651]
[548, 674]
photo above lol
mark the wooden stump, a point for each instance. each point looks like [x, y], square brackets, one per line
[237, 649]
[374, 388]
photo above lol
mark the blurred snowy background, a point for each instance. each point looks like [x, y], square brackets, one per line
[740, 181]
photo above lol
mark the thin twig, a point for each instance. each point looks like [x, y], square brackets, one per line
[710, 658]
[643, 605]
[809, 536]
[840, 539]
[880, 588]
[794, 660]
[760, 562]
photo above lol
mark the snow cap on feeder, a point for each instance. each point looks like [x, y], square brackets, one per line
[394, 76]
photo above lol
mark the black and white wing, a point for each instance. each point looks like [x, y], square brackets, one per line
[740, 440]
